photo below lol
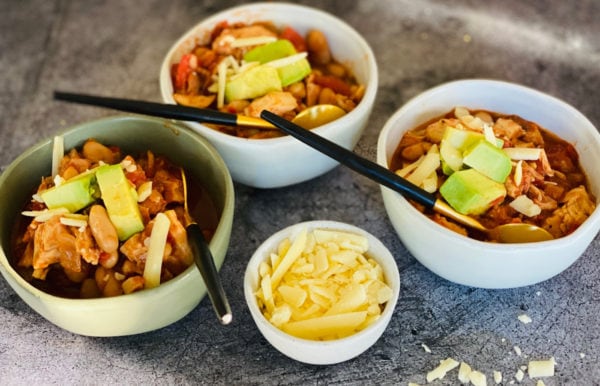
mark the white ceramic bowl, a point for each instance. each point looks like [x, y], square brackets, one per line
[312, 351]
[144, 310]
[277, 162]
[475, 263]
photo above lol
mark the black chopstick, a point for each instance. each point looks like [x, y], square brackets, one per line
[348, 158]
[162, 110]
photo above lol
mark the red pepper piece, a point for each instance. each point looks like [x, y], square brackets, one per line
[295, 38]
[336, 84]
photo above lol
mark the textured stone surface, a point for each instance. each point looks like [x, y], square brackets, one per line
[115, 48]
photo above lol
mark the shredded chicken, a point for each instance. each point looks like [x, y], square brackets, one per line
[277, 102]
[222, 44]
[575, 208]
[508, 130]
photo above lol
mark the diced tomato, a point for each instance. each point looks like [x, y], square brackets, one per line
[136, 177]
[183, 71]
[334, 83]
[295, 38]
[218, 29]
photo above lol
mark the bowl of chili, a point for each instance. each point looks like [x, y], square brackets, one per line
[224, 63]
[555, 188]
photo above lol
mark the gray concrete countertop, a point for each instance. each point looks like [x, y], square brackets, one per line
[115, 48]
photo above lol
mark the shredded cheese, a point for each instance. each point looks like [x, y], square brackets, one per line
[222, 76]
[156, 248]
[488, 132]
[287, 60]
[497, 376]
[519, 375]
[525, 319]
[463, 373]
[74, 220]
[517, 350]
[252, 41]
[526, 206]
[477, 378]
[44, 215]
[428, 165]
[543, 368]
[518, 177]
[441, 371]
[460, 111]
[58, 180]
[523, 153]
[58, 150]
[144, 191]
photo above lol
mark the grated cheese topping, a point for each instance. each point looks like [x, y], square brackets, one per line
[252, 41]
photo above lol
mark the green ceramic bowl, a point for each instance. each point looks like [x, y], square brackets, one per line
[144, 310]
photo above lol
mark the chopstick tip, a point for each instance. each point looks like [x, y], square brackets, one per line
[226, 319]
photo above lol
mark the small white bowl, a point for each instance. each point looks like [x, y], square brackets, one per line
[277, 162]
[312, 351]
[468, 261]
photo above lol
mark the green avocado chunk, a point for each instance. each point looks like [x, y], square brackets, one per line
[120, 199]
[270, 51]
[294, 72]
[73, 194]
[462, 139]
[253, 83]
[470, 192]
[451, 157]
[488, 160]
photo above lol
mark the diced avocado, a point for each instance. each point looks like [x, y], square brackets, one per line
[294, 72]
[461, 139]
[119, 197]
[488, 160]
[270, 51]
[470, 192]
[451, 157]
[253, 83]
[73, 194]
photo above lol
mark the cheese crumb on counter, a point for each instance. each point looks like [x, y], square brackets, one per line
[497, 377]
[440, 371]
[517, 350]
[519, 375]
[463, 372]
[478, 378]
[543, 368]
[524, 318]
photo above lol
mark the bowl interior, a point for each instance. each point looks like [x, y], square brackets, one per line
[502, 97]
[346, 44]
[133, 135]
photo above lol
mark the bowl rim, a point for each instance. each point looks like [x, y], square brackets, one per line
[164, 288]
[362, 108]
[593, 221]
[261, 254]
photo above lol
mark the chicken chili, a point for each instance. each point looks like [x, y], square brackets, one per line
[247, 68]
[88, 231]
[498, 169]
